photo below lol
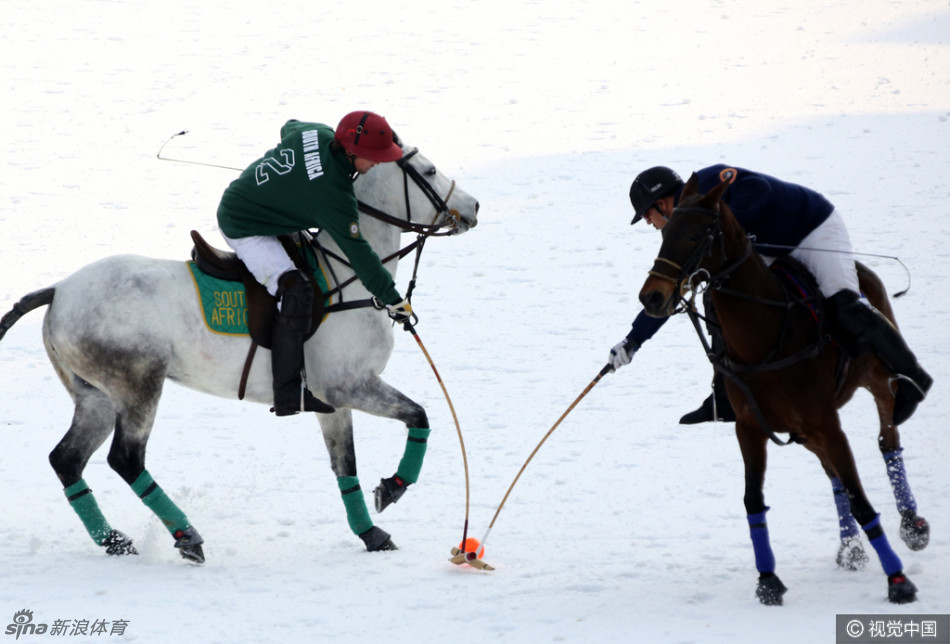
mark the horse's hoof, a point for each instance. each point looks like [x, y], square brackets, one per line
[377, 540]
[900, 589]
[851, 554]
[117, 543]
[194, 554]
[388, 492]
[915, 531]
[189, 542]
[770, 589]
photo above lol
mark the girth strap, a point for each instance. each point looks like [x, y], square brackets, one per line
[242, 387]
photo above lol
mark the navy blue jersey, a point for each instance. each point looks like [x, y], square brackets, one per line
[772, 212]
[777, 216]
[643, 329]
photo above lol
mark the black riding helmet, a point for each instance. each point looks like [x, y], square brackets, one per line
[651, 185]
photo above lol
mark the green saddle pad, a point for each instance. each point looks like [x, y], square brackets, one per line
[224, 303]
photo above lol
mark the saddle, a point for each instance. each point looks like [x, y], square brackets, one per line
[261, 305]
[800, 285]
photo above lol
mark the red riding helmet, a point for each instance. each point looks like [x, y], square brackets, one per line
[367, 135]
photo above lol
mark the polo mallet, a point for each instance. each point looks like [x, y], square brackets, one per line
[470, 558]
[462, 557]
[207, 165]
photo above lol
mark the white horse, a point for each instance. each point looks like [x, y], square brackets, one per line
[117, 328]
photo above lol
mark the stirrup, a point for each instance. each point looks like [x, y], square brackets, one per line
[702, 414]
[709, 412]
[310, 403]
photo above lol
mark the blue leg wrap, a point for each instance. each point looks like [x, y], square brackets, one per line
[759, 532]
[846, 523]
[906, 504]
[875, 534]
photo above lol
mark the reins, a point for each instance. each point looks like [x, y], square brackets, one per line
[735, 371]
[423, 232]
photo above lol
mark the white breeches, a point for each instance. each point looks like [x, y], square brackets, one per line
[265, 257]
[827, 253]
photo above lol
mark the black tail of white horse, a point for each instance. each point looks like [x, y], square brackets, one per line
[27, 303]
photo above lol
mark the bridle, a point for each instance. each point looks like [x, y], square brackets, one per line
[689, 277]
[445, 222]
[443, 213]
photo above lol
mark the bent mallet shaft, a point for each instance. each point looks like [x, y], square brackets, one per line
[411, 329]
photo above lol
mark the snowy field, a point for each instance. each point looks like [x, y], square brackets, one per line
[627, 527]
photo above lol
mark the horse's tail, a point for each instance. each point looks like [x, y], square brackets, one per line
[27, 303]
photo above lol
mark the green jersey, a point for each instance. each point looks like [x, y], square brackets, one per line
[304, 183]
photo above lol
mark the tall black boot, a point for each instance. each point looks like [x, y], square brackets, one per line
[715, 408]
[295, 302]
[865, 327]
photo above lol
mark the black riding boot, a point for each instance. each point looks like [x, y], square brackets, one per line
[863, 327]
[715, 408]
[294, 304]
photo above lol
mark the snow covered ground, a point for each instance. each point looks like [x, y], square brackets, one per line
[626, 526]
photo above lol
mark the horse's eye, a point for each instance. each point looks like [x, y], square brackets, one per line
[431, 172]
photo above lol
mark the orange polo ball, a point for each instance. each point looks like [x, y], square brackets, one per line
[471, 545]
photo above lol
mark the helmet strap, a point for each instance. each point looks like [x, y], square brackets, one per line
[359, 128]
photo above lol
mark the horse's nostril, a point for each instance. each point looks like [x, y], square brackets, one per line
[651, 301]
[476, 207]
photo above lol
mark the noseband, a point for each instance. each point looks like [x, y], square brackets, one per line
[689, 276]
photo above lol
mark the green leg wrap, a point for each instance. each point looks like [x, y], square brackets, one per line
[84, 503]
[411, 462]
[158, 502]
[356, 513]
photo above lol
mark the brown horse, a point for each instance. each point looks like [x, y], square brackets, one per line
[782, 372]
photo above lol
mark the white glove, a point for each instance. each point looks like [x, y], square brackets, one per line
[619, 356]
[400, 312]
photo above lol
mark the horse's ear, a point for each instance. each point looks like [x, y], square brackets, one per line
[691, 187]
[714, 196]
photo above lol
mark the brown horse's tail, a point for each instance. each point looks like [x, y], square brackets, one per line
[27, 303]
